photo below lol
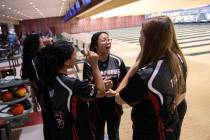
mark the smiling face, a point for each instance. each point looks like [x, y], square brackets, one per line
[103, 44]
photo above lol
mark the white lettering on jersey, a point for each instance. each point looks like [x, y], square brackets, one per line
[107, 74]
[51, 93]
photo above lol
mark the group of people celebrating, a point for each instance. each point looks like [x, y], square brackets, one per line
[73, 109]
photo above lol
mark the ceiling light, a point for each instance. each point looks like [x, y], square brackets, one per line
[31, 3]
[9, 8]
[3, 15]
[3, 5]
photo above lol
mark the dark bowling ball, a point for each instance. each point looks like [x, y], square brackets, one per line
[26, 104]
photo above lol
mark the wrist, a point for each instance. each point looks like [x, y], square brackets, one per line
[174, 104]
[94, 67]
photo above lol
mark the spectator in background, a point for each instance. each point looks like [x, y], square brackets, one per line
[49, 33]
[11, 38]
[105, 110]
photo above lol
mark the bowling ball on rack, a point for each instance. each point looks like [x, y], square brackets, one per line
[7, 96]
[17, 109]
[26, 104]
[21, 91]
[23, 86]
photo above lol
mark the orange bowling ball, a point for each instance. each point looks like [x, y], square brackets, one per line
[17, 109]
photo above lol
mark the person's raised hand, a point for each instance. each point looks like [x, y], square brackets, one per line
[92, 58]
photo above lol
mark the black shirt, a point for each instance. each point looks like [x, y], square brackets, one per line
[113, 68]
[150, 93]
[63, 115]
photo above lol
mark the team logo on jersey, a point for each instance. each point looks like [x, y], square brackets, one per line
[107, 74]
[59, 119]
[51, 93]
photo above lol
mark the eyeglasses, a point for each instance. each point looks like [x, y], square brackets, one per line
[109, 40]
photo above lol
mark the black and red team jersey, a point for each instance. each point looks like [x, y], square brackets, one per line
[150, 92]
[65, 114]
[114, 69]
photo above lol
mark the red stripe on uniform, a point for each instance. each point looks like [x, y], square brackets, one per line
[74, 115]
[156, 104]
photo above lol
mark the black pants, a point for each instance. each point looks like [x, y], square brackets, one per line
[182, 109]
[105, 111]
[112, 127]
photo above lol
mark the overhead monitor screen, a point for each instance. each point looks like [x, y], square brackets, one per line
[86, 2]
[77, 5]
[73, 11]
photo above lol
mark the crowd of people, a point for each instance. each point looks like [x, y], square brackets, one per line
[73, 109]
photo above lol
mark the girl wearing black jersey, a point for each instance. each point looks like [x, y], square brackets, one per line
[152, 89]
[63, 117]
[105, 110]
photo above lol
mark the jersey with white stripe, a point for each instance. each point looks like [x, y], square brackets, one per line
[151, 93]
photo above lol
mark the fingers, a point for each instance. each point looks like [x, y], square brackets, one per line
[108, 84]
[92, 58]
[110, 93]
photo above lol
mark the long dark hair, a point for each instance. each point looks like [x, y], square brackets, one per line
[50, 60]
[30, 47]
[94, 40]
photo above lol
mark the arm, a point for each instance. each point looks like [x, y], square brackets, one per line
[124, 82]
[118, 99]
[178, 99]
[130, 73]
[132, 93]
[93, 60]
